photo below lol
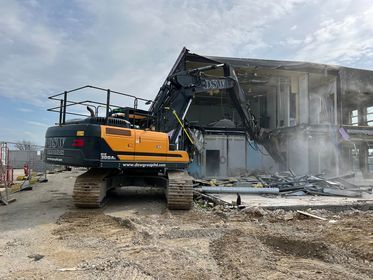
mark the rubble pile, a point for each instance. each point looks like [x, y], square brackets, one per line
[283, 183]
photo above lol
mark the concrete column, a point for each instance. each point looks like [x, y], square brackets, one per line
[303, 99]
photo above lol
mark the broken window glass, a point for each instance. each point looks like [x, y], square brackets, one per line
[354, 118]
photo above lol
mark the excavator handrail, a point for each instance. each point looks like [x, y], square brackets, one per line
[99, 88]
[64, 103]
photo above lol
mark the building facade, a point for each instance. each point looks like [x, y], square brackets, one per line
[320, 117]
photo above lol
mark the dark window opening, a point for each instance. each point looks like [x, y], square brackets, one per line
[212, 162]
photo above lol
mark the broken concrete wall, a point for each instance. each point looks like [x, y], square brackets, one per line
[322, 99]
[230, 156]
[283, 104]
[356, 87]
[303, 101]
[224, 155]
[297, 153]
[259, 160]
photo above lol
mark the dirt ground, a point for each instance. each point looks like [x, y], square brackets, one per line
[43, 236]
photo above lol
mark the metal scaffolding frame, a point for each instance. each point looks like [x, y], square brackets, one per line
[6, 173]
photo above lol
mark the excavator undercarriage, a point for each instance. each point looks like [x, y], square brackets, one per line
[91, 188]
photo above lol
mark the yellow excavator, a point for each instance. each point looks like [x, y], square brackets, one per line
[119, 149]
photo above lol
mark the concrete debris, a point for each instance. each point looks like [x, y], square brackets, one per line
[255, 211]
[243, 190]
[284, 183]
[42, 180]
[289, 216]
[336, 192]
[36, 257]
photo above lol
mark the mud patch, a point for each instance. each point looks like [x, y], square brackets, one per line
[240, 256]
[297, 247]
[93, 229]
[210, 233]
[125, 222]
[114, 267]
[354, 233]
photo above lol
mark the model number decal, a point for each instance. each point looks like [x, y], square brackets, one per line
[105, 156]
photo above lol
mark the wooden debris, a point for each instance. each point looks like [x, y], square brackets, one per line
[212, 198]
[69, 269]
[311, 215]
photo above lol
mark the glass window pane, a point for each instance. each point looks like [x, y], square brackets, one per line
[370, 123]
[354, 113]
[370, 117]
[354, 120]
[370, 109]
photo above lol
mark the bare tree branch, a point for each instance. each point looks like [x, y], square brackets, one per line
[26, 146]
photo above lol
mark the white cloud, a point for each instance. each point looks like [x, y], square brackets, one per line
[124, 45]
[50, 46]
[38, 123]
[340, 41]
[24, 110]
[130, 46]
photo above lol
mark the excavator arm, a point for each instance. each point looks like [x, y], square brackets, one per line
[175, 97]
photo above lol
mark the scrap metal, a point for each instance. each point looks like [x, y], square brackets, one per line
[284, 183]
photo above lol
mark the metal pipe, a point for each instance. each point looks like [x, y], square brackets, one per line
[241, 190]
[53, 97]
[181, 124]
[186, 109]
[205, 68]
[58, 94]
[64, 107]
[107, 103]
[61, 105]
[121, 93]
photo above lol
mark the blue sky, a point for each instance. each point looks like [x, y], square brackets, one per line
[49, 46]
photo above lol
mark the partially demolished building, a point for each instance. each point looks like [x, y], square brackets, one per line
[320, 117]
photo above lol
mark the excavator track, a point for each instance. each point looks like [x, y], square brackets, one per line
[179, 191]
[90, 188]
